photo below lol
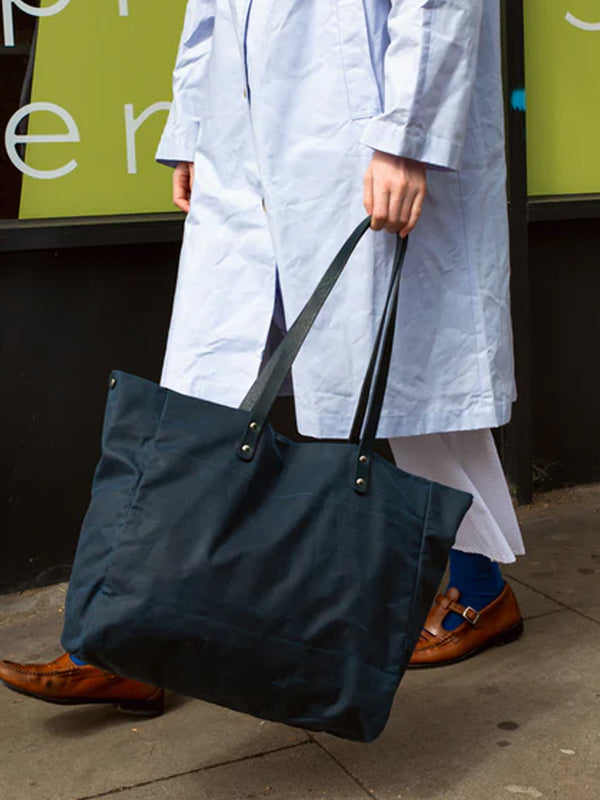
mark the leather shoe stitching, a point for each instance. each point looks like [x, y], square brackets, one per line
[66, 673]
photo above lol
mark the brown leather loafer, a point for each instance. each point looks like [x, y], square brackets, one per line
[498, 623]
[62, 681]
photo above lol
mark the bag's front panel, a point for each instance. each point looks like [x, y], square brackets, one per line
[132, 413]
[445, 511]
[270, 586]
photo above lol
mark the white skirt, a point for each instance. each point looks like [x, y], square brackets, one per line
[468, 460]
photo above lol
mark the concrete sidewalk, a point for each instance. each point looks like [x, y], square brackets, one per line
[518, 721]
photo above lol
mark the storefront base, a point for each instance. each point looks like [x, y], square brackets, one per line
[564, 261]
[68, 317]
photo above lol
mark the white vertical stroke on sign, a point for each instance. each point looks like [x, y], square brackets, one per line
[123, 8]
[132, 124]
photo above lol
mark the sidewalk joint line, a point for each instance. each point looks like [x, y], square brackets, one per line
[546, 614]
[343, 767]
[554, 600]
[165, 778]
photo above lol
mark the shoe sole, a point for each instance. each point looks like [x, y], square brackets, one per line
[141, 708]
[506, 637]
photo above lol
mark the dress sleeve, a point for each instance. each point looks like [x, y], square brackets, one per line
[178, 142]
[430, 69]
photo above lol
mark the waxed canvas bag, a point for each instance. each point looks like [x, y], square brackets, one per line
[223, 561]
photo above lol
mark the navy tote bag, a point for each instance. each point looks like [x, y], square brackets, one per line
[223, 561]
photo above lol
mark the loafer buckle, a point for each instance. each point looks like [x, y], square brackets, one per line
[471, 615]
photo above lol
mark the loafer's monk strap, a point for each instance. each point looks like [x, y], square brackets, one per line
[498, 623]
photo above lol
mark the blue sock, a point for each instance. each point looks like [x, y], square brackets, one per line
[478, 580]
[77, 661]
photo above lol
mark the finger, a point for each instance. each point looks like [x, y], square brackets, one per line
[394, 209]
[180, 191]
[368, 192]
[192, 179]
[415, 214]
[405, 211]
[381, 204]
[177, 196]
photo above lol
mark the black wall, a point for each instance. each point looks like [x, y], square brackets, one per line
[565, 275]
[67, 318]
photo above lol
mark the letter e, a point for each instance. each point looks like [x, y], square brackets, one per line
[12, 139]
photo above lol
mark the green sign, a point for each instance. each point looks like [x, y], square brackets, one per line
[100, 95]
[563, 96]
[85, 142]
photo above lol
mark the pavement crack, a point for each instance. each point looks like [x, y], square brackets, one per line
[343, 767]
[545, 614]
[164, 779]
[563, 605]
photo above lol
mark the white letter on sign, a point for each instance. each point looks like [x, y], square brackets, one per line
[7, 15]
[131, 127]
[579, 23]
[123, 8]
[12, 139]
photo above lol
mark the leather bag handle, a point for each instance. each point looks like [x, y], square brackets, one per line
[265, 389]
[367, 387]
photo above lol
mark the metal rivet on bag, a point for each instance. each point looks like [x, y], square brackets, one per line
[113, 382]
[360, 482]
[254, 426]
[363, 459]
[246, 448]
